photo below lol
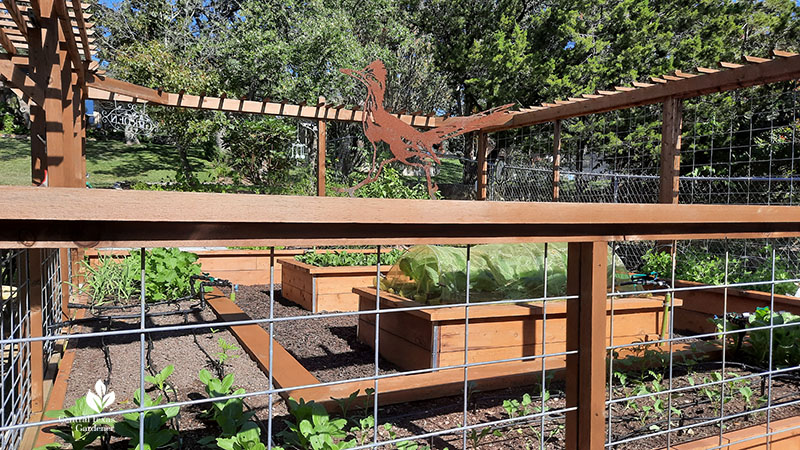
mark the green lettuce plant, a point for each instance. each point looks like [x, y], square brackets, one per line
[341, 258]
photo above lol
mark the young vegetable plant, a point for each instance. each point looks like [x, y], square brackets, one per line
[159, 380]
[167, 272]
[313, 428]
[81, 433]
[156, 432]
[225, 353]
[239, 432]
[248, 437]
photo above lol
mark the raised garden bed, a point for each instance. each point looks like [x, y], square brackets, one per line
[325, 288]
[430, 338]
[701, 304]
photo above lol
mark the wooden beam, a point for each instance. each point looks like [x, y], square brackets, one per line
[37, 348]
[37, 10]
[671, 122]
[586, 333]
[321, 152]
[68, 37]
[123, 87]
[16, 16]
[40, 73]
[110, 89]
[556, 159]
[738, 76]
[17, 78]
[483, 168]
[68, 217]
[8, 46]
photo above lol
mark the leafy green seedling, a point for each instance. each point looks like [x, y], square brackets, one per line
[156, 432]
[81, 433]
[160, 379]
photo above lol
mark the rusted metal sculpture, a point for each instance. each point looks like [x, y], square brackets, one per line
[408, 145]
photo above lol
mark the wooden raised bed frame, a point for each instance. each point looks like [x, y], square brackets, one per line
[430, 338]
[325, 288]
[701, 304]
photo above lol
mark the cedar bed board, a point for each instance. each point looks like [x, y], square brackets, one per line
[479, 311]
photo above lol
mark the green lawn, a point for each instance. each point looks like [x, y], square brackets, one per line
[106, 162]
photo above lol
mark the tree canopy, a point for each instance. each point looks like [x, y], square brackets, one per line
[446, 56]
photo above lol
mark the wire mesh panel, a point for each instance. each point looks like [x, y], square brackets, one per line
[15, 365]
[434, 346]
[51, 297]
[715, 373]
[610, 157]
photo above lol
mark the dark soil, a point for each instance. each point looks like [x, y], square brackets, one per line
[330, 350]
[326, 347]
[188, 352]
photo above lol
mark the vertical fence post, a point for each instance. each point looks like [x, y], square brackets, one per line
[35, 258]
[321, 138]
[671, 122]
[586, 332]
[556, 159]
[483, 140]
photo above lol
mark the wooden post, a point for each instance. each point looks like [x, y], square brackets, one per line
[556, 159]
[37, 347]
[671, 122]
[321, 138]
[483, 141]
[586, 333]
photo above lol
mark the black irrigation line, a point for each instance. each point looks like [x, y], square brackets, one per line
[205, 281]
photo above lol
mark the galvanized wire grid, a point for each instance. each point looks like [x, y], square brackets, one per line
[671, 422]
[738, 148]
[51, 296]
[669, 426]
[15, 361]
[546, 416]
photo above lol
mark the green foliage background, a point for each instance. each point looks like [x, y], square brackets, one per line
[446, 56]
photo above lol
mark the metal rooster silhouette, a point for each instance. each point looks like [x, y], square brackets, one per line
[407, 144]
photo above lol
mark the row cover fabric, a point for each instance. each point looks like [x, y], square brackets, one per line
[433, 274]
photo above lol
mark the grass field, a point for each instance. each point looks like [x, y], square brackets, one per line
[110, 161]
[106, 162]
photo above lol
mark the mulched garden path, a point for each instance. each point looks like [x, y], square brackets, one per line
[330, 350]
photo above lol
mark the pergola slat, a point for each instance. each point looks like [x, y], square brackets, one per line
[20, 80]
[72, 46]
[8, 46]
[16, 16]
[104, 88]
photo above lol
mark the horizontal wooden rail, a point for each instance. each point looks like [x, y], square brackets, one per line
[69, 217]
[106, 88]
